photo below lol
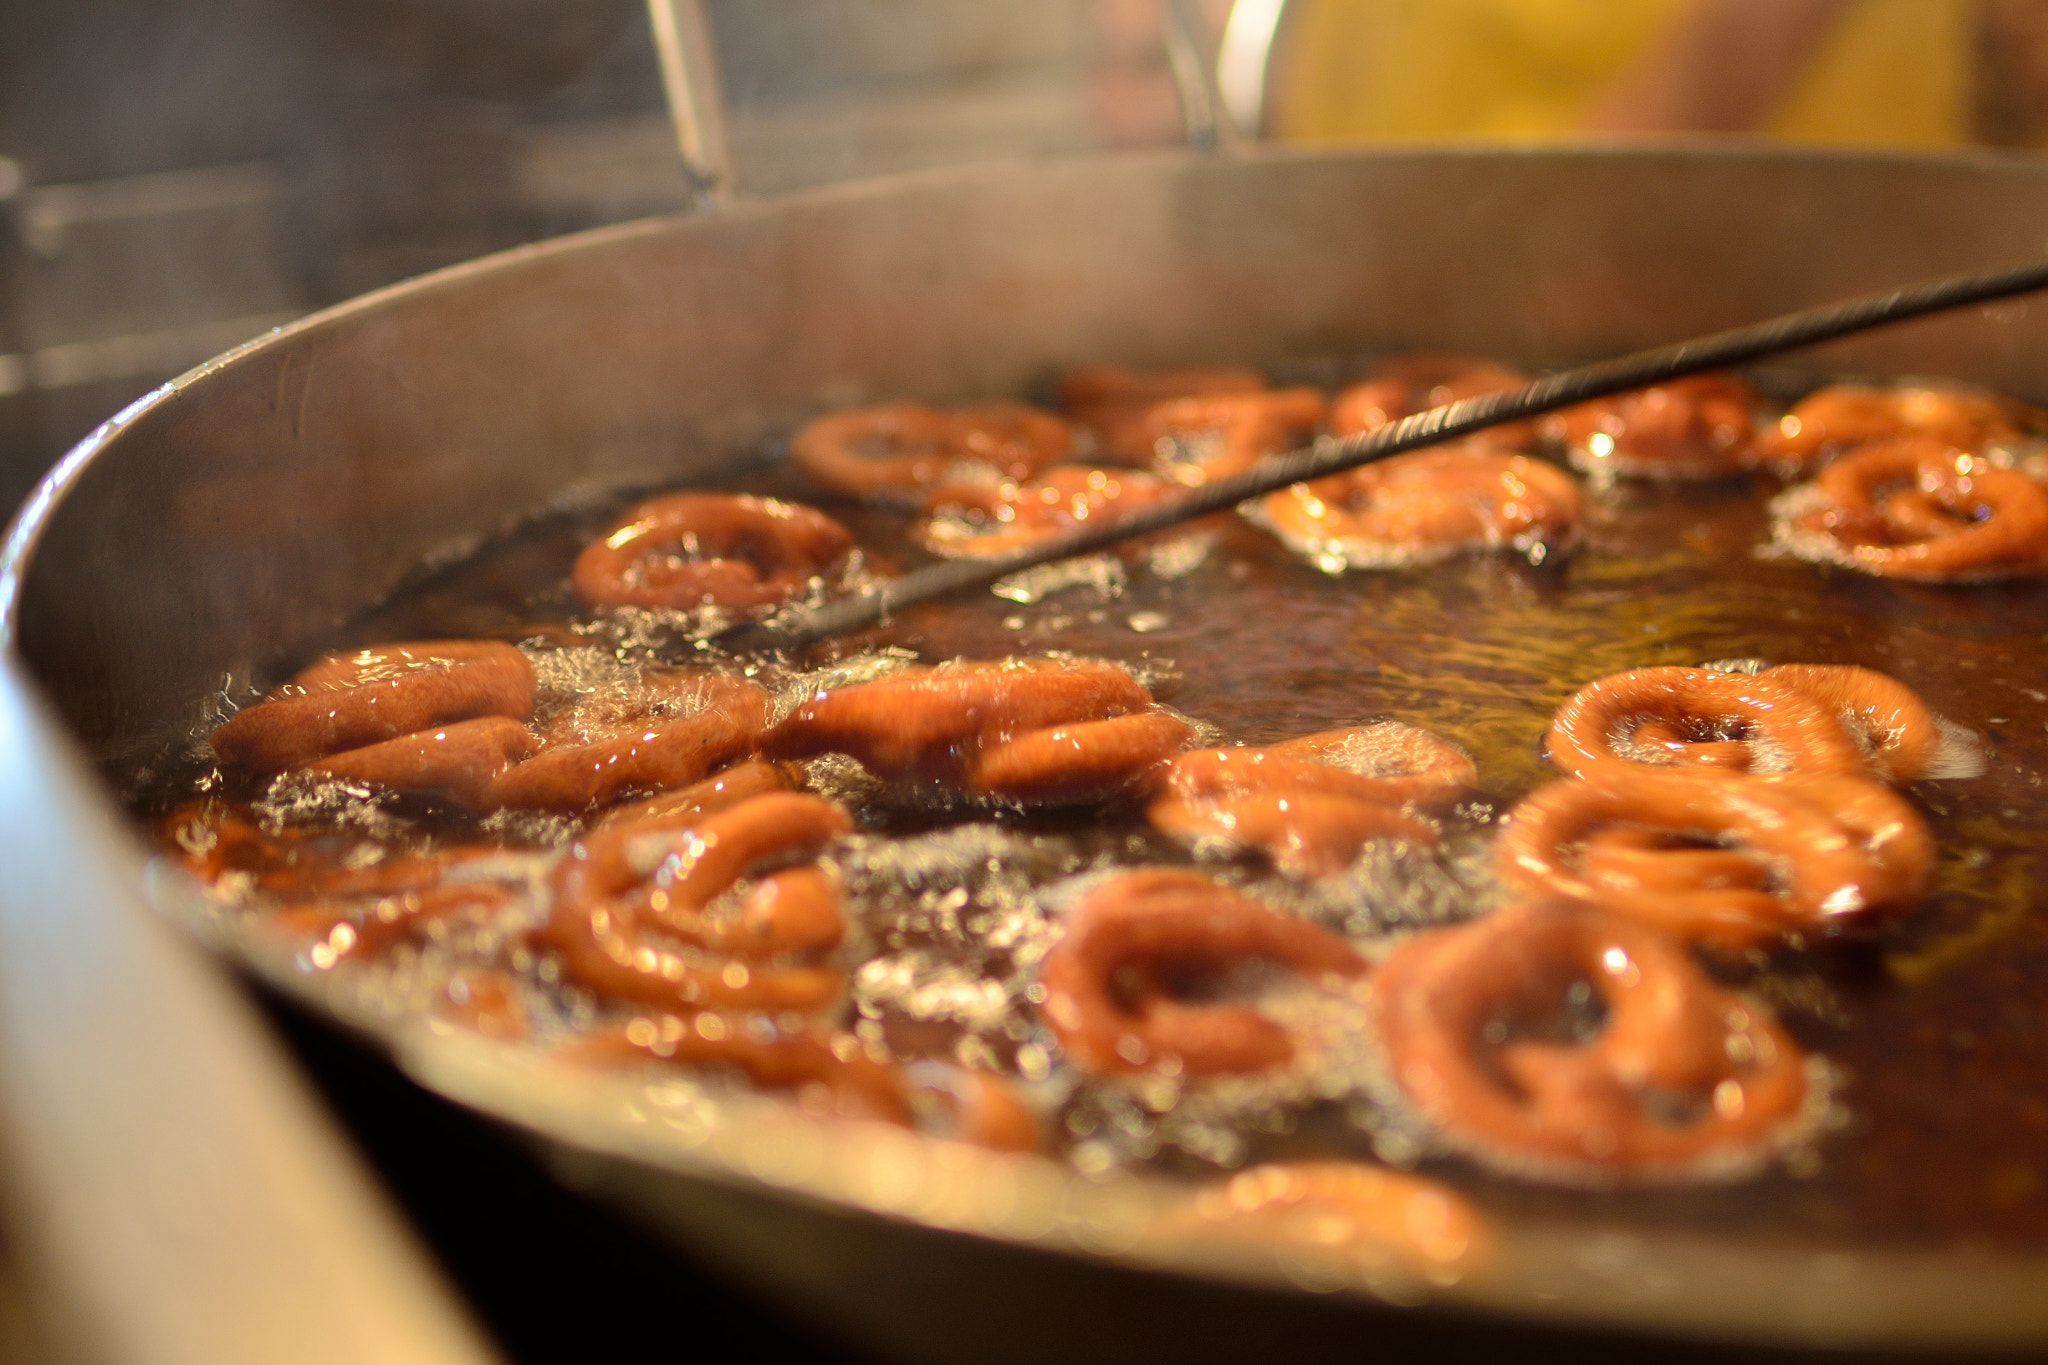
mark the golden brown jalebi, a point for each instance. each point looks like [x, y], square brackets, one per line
[1346, 1208]
[1195, 440]
[715, 793]
[989, 519]
[1700, 427]
[366, 696]
[634, 914]
[1023, 730]
[1426, 505]
[689, 723]
[325, 895]
[1134, 944]
[1901, 734]
[1312, 803]
[1834, 420]
[895, 452]
[1719, 857]
[829, 1074]
[1409, 384]
[1915, 507]
[1679, 1080]
[1700, 716]
[1111, 401]
[686, 550]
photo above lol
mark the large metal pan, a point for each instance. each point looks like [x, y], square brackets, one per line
[242, 512]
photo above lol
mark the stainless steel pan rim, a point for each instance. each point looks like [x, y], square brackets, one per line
[1578, 1273]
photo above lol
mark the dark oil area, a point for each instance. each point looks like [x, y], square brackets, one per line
[1937, 1022]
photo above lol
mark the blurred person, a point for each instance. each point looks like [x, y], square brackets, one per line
[1881, 73]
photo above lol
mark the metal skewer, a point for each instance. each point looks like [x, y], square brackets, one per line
[796, 629]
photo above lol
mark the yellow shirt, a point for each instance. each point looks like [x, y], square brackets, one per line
[1892, 73]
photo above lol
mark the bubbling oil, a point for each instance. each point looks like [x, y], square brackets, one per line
[1933, 1029]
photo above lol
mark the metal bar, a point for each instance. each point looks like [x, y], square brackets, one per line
[1243, 59]
[696, 104]
[174, 1194]
[1733, 347]
[1194, 77]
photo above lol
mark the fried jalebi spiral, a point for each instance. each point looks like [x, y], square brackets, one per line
[1194, 440]
[460, 762]
[828, 1075]
[970, 1106]
[640, 908]
[686, 550]
[738, 783]
[1699, 427]
[326, 895]
[366, 696]
[1700, 716]
[1347, 1209]
[1424, 506]
[1019, 730]
[1082, 761]
[1918, 508]
[1405, 764]
[1840, 417]
[989, 519]
[1118, 984]
[483, 1002]
[689, 723]
[1902, 735]
[1719, 857]
[1409, 384]
[1111, 401]
[894, 452]
[1312, 803]
[1488, 1038]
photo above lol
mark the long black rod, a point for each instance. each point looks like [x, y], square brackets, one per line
[1803, 328]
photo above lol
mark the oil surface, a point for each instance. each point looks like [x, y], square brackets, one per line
[1937, 1023]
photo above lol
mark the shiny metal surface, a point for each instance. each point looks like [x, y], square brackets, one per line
[696, 109]
[227, 522]
[174, 1192]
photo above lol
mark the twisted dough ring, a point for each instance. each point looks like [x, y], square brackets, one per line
[1917, 508]
[1312, 803]
[1194, 440]
[358, 697]
[728, 788]
[1409, 384]
[333, 906]
[971, 1106]
[1779, 855]
[891, 452]
[1680, 1081]
[1111, 401]
[1342, 1206]
[1110, 981]
[1025, 730]
[1841, 417]
[461, 762]
[688, 723]
[1900, 732]
[830, 1074]
[628, 896]
[1699, 716]
[1424, 506]
[1699, 427]
[684, 550]
[494, 761]
[989, 519]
